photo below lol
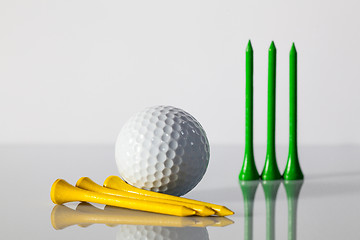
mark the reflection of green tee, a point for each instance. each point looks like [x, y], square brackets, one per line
[270, 191]
[248, 189]
[292, 189]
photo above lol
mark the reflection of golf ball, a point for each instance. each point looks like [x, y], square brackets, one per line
[163, 149]
[133, 232]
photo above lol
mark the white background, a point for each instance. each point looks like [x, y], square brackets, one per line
[75, 71]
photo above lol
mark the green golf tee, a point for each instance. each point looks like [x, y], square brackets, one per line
[271, 170]
[248, 170]
[293, 169]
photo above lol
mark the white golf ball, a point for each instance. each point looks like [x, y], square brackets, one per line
[162, 149]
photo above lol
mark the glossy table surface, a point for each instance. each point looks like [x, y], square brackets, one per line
[324, 206]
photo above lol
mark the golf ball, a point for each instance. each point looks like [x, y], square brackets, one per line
[162, 149]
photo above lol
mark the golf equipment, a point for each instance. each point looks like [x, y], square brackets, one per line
[162, 149]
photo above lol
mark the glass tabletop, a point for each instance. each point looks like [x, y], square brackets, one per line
[324, 205]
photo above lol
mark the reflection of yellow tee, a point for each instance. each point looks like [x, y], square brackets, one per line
[86, 214]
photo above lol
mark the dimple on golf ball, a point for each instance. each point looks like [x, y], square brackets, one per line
[162, 149]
